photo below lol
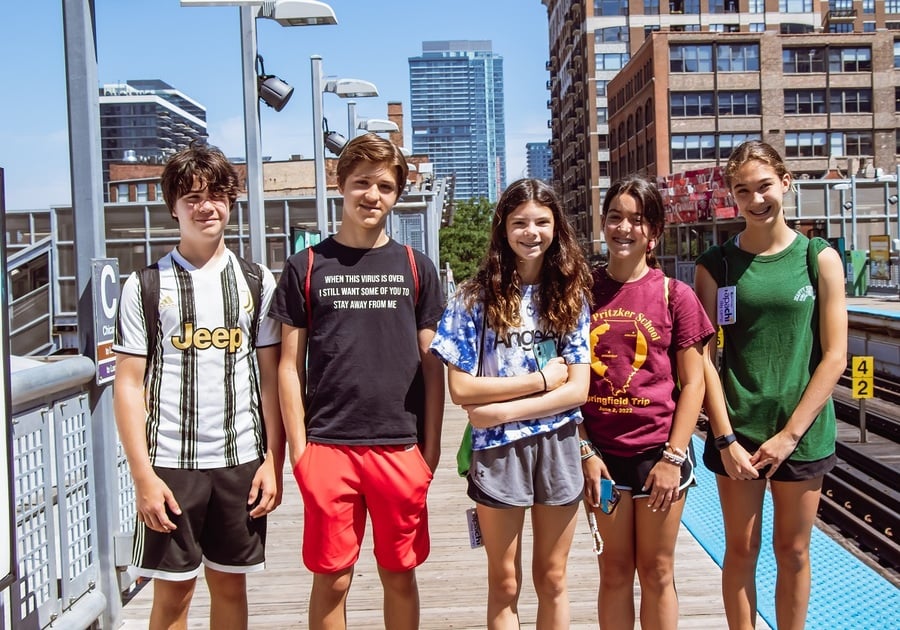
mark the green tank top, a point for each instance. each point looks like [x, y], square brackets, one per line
[773, 348]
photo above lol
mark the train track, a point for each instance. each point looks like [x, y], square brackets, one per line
[861, 496]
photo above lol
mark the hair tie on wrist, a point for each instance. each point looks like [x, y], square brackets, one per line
[543, 378]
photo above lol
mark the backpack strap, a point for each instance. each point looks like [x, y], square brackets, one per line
[415, 271]
[306, 287]
[253, 278]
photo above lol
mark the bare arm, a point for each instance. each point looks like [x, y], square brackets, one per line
[152, 495]
[466, 389]
[268, 484]
[571, 394]
[735, 458]
[291, 387]
[833, 337]
[433, 373]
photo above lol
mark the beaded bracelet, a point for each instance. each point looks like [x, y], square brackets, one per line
[679, 452]
[672, 458]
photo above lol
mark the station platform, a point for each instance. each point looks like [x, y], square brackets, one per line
[452, 582]
[886, 306]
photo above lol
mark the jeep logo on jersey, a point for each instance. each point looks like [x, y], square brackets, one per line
[228, 339]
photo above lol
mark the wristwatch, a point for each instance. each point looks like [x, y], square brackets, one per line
[723, 441]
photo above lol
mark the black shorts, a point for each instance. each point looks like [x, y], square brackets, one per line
[214, 527]
[790, 470]
[630, 473]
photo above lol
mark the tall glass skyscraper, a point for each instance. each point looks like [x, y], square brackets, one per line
[456, 101]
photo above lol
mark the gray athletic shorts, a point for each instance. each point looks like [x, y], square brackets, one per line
[213, 529]
[542, 469]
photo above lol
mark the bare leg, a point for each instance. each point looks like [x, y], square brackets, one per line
[401, 599]
[795, 506]
[656, 534]
[171, 602]
[328, 600]
[554, 528]
[501, 531]
[227, 600]
[615, 601]
[742, 513]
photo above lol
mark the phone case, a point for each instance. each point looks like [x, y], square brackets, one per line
[544, 351]
[609, 496]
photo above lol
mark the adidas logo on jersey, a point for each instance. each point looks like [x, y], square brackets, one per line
[806, 293]
[228, 339]
[166, 302]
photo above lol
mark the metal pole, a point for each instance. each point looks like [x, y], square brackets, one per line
[256, 212]
[351, 120]
[853, 208]
[315, 63]
[83, 103]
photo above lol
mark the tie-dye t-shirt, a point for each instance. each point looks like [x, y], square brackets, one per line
[457, 343]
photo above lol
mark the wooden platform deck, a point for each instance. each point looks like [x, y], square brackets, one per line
[452, 583]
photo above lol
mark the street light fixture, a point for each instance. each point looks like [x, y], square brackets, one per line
[344, 88]
[286, 13]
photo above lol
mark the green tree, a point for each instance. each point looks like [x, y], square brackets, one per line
[464, 241]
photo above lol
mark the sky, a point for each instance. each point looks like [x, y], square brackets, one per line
[197, 51]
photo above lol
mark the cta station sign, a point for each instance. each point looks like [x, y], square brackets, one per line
[106, 291]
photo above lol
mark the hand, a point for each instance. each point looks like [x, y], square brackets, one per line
[556, 373]
[663, 482]
[432, 456]
[266, 489]
[485, 415]
[594, 469]
[772, 452]
[153, 496]
[737, 462]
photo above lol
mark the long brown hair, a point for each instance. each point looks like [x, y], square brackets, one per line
[565, 281]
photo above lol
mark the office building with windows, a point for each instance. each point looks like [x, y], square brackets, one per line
[146, 121]
[537, 161]
[839, 97]
[456, 113]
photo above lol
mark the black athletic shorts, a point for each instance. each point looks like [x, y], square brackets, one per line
[630, 473]
[214, 527]
[790, 470]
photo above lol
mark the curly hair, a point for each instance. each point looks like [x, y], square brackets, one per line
[565, 284]
[205, 162]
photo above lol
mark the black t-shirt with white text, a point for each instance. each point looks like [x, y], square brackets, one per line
[364, 383]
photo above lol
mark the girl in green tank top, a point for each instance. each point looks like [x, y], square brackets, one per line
[779, 299]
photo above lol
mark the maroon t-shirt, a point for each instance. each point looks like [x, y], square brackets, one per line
[636, 330]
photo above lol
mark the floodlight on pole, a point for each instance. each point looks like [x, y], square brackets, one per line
[344, 88]
[286, 13]
[377, 125]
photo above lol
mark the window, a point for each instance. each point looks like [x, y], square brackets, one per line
[739, 103]
[602, 116]
[897, 54]
[806, 144]
[690, 58]
[792, 28]
[648, 112]
[601, 87]
[897, 141]
[804, 101]
[756, 6]
[845, 27]
[840, 5]
[728, 142]
[849, 60]
[694, 147]
[610, 61]
[141, 192]
[723, 6]
[691, 104]
[869, 27]
[857, 142]
[651, 7]
[757, 27]
[795, 6]
[611, 34]
[122, 193]
[892, 6]
[868, 6]
[737, 57]
[803, 60]
[610, 7]
[851, 101]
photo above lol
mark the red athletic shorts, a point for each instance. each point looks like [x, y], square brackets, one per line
[339, 483]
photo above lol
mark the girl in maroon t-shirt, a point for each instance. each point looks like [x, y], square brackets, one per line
[646, 331]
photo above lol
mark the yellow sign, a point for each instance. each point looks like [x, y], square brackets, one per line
[863, 387]
[880, 257]
[862, 367]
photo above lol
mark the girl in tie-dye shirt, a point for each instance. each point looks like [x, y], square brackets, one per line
[533, 287]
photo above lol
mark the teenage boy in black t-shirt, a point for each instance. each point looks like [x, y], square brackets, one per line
[362, 397]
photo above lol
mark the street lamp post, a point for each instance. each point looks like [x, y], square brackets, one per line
[344, 88]
[286, 13]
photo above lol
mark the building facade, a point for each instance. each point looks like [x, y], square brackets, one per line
[537, 161]
[851, 51]
[146, 121]
[457, 116]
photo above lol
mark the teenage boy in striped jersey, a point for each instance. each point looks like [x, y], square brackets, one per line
[196, 402]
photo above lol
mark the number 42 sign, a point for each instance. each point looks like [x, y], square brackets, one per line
[862, 372]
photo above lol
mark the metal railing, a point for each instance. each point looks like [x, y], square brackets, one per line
[58, 562]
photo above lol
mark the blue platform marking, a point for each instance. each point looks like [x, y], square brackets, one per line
[846, 594]
[878, 312]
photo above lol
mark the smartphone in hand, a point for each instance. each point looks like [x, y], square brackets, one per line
[544, 351]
